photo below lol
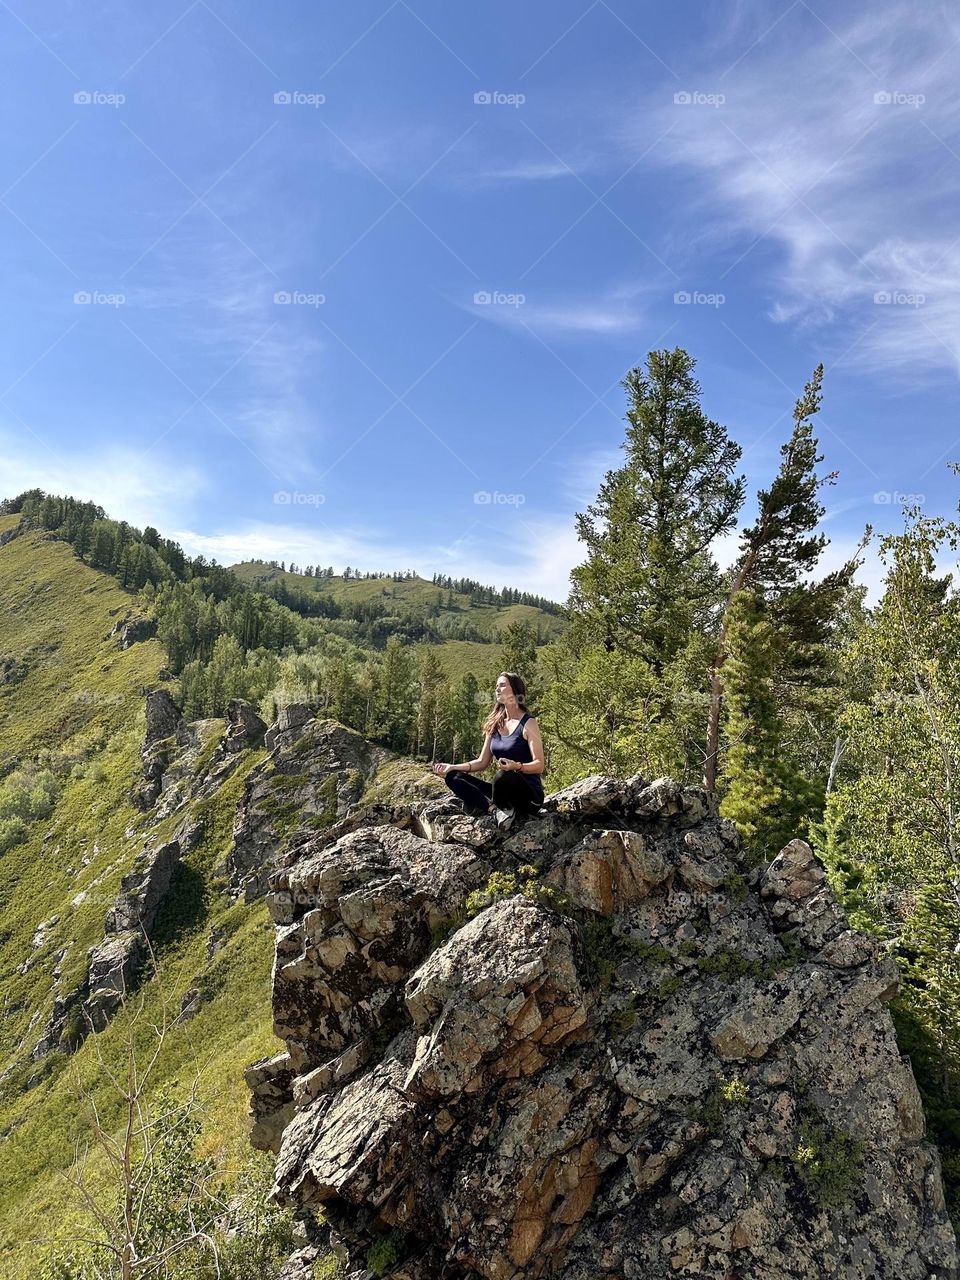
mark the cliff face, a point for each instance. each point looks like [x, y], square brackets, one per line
[623, 1055]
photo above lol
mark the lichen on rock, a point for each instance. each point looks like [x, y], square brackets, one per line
[647, 1061]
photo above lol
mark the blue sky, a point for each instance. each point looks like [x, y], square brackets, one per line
[313, 282]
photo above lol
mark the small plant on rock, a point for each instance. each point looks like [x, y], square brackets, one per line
[828, 1162]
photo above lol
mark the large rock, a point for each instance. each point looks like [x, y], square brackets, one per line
[132, 630]
[645, 1061]
[143, 889]
[113, 965]
[314, 775]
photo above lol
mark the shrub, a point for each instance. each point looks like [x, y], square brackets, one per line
[828, 1162]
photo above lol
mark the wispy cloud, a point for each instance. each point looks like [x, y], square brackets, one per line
[264, 354]
[615, 310]
[837, 140]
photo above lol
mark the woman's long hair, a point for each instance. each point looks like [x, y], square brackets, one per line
[498, 716]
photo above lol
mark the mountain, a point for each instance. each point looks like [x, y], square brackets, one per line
[624, 1050]
[467, 625]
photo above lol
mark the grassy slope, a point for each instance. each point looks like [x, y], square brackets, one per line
[415, 593]
[82, 696]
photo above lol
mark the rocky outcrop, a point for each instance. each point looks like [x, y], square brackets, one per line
[163, 718]
[627, 1055]
[143, 888]
[113, 965]
[315, 774]
[130, 630]
[245, 729]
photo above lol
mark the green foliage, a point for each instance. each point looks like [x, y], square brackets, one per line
[829, 1163]
[735, 886]
[721, 1101]
[26, 795]
[605, 950]
[765, 795]
[731, 966]
[204, 1227]
[505, 884]
[386, 1252]
[649, 578]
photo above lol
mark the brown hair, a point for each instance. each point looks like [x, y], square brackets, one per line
[498, 716]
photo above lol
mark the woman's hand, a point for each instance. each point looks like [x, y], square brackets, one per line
[440, 768]
[509, 765]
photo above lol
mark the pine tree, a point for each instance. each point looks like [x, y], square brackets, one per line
[777, 553]
[518, 652]
[650, 577]
[767, 799]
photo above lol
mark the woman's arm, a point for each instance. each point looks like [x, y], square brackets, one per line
[470, 766]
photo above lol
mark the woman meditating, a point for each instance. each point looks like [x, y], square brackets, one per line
[512, 736]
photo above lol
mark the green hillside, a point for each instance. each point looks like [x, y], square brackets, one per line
[409, 605]
[71, 705]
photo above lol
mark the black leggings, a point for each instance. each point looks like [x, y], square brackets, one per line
[508, 791]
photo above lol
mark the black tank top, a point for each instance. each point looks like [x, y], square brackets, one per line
[514, 746]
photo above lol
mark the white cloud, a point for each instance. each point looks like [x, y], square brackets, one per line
[129, 488]
[840, 146]
[539, 560]
[614, 310]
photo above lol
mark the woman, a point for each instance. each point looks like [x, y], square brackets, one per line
[512, 736]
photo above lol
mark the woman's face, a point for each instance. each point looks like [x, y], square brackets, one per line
[504, 691]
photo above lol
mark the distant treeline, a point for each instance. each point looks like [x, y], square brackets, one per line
[476, 591]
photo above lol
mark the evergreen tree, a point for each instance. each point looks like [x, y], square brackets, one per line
[891, 831]
[777, 553]
[650, 577]
[518, 653]
[431, 702]
[393, 712]
[768, 800]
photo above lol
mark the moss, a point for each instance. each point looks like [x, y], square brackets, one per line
[730, 966]
[605, 950]
[623, 1019]
[828, 1161]
[327, 1268]
[669, 986]
[506, 884]
[736, 887]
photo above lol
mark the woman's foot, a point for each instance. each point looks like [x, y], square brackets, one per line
[505, 818]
